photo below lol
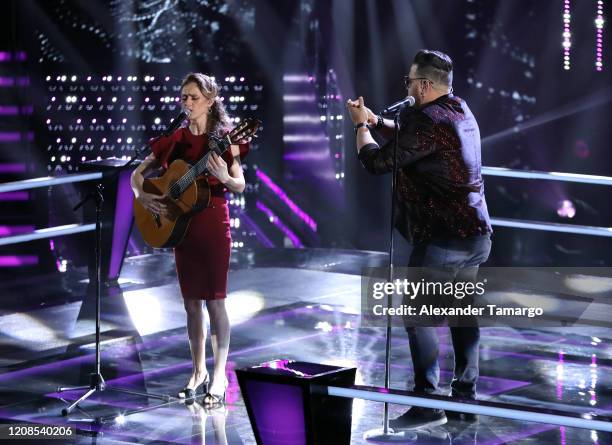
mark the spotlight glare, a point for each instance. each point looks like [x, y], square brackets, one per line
[566, 209]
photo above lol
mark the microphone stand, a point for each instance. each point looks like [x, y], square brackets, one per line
[96, 380]
[386, 434]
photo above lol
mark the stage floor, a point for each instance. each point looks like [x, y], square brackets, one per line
[301, 305]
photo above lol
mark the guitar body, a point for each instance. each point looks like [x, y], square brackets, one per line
[185, 189]
[169, 230]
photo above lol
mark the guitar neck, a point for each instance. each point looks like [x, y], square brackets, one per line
[200, 167]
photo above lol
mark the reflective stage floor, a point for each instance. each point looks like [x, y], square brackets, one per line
[282, 304]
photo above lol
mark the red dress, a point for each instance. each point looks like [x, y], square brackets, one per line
[202, 258]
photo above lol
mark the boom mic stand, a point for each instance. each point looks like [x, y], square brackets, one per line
[386, 434]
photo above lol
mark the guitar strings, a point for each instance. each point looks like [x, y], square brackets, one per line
[181, 185]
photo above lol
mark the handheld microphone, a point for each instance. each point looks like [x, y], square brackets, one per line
[408, 101]
[176, 122]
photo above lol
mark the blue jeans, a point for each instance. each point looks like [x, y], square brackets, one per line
[460, 258]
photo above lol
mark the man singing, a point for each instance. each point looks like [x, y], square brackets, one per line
[441, 210]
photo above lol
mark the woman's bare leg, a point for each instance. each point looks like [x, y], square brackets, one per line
[197, 341]
[220, 339]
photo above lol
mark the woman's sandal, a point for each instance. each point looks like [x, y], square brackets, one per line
[215, 400]
[188, 393]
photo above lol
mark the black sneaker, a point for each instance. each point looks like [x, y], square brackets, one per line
[462, 417]
[459, 416]
[417, 417]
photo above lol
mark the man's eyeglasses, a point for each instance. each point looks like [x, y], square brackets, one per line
[408, 80]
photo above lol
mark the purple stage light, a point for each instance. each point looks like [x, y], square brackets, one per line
[566, 209]
[278, 223]
[9, 136]
[6, 81]
[299, 98]
[14, 196]
[283, 196]
[18, 260]
[311, 155]
[296, 78]
[13, 168]
[8, 110]
[15, 230]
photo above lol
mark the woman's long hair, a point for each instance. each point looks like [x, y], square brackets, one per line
[218, 121]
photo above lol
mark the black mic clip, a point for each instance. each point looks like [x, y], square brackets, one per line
[176, 122]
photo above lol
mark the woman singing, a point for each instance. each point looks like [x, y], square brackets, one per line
[202, 258]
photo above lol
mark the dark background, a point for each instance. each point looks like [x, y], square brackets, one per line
[508, 66]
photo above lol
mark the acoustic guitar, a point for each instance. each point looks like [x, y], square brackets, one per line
[185, 189]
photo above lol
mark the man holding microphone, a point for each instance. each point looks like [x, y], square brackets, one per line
[441, 210]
